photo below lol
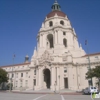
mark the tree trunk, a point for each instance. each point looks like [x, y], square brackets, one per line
[99, 85]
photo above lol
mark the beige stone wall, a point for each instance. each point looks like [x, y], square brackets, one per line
[56, 59]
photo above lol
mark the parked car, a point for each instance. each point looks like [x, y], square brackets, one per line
[90, 90]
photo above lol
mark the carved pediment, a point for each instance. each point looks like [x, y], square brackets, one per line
[64, 58]
[45, 57]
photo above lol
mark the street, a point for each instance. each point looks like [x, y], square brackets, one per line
[16, 96]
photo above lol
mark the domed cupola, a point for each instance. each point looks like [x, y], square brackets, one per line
[56, 6]
[56, 9]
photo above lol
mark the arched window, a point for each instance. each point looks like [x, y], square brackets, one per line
[62, 22]
[50, 40]
[35, 72]
[50, 23]
[65, 42]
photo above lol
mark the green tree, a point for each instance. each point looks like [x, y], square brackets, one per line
[94, 72]
[3, 76]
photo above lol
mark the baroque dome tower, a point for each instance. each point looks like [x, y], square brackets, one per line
[57, 37]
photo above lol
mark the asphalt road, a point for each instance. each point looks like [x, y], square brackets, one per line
[16, 96]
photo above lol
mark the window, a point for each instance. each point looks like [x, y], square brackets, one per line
[65, 70]
[65, 42]
[8, 75]
[21, 83]
[89, 82]
[21, 74]
[34, 82]
[12, 75]
[62, 22]
[50, 41]
[16, 83]
[12, 83]
[64, 33]
[96, 57]
[35, 72]
[87, 58]
[26, 74]
[26, 82]
[50, 23]
[16, 75]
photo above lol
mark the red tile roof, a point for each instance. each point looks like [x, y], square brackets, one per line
[93, 54]
[59, 13]
[16, 65]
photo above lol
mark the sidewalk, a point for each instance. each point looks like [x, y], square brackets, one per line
[48, 91]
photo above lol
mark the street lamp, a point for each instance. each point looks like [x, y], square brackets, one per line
[89, 61]
[59, 83]
[12, 75]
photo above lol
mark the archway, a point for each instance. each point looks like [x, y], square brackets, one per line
[65, 42]
[47, 78]
[50, 41]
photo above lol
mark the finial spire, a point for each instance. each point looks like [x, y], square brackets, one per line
[55, 6]
[55, 0]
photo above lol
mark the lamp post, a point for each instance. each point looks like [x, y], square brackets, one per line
[59, 83]
[89, 60]
[11, 84]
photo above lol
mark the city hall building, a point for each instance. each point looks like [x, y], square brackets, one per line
[58, 62]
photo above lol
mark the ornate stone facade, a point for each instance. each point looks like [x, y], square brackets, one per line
[58, 62]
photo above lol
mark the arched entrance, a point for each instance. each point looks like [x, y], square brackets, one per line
[47, 78]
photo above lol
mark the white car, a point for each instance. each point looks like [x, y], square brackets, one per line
[90, 90]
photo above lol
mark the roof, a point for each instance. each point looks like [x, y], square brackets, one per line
[16, 65]
[93, 54]
[59, 13]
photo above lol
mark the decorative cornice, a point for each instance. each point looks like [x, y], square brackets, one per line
[85, 64]
[93, 54]
[15, 65]
[49, 29]
[19, 70]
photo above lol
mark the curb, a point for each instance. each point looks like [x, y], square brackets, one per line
[48, 93]
[63, 93]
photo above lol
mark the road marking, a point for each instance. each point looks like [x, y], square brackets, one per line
[39, 97]
[62, 97]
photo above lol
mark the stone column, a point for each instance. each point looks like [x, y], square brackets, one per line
[37, 77]
[58, 78]
[60, 37]
[41, 40]
[44, 41]
[56, 37]
[53, 79]
[40, 78]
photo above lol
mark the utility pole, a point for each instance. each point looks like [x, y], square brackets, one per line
[89, 60]
[11, 83]
[59, 83]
